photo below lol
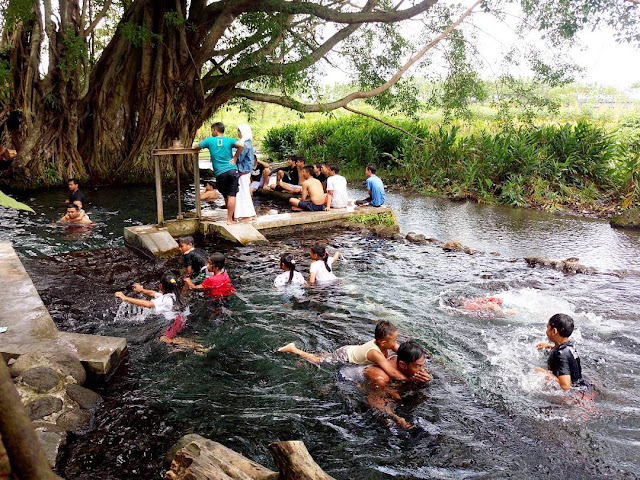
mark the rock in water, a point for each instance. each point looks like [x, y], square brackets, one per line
[629, 219]
[84, 397]
[76, 421]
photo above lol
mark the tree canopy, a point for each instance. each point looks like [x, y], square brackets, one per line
[100, 83]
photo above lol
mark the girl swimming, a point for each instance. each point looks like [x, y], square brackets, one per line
[217, 285]
[320, 270]
[290, 276]
[165, 302]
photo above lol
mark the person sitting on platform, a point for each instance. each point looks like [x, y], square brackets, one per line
[210, 193]
[337, 196]
[375, 187]
[294, 185]
[317, 172]
[312, 199]
[217, 285]
[76, 215]
[259, 175]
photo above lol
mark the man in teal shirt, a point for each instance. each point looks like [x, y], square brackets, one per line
[223, 162]
[375, 187]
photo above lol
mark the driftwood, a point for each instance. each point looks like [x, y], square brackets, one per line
[24, 450]
[295, 462]
[203, 459]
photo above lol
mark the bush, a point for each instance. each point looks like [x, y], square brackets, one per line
[542, 165]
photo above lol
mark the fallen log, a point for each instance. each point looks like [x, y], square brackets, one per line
[295, 463]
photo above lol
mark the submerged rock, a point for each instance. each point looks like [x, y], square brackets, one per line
[84, 397]
[569, 266]
[629, 219]
[43, 406]
[41, 379]
[76, 421]
[416, 237]
[51, 443]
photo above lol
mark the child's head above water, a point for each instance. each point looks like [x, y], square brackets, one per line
[559, 325]
[217, 261]
[386, 334]
[319, 252]
[288, 263]
[171, 283]
[185, 243]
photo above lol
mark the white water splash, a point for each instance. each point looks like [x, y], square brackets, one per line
[128, 313]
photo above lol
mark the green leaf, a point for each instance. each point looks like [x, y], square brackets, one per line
[8, 202]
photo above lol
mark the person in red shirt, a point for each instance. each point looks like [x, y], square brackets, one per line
[217, 285]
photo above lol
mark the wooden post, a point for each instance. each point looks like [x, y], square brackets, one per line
[295, 463]
[176, 162]
[27, 458]
[196, 181]
[158, 190]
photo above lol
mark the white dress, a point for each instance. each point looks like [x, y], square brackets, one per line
[244, 202]
[322, 274]
[282, 280]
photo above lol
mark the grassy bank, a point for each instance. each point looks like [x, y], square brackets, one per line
[579, 165]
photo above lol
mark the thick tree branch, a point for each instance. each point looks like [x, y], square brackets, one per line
[331, 15]
[325, 107]
[368, 115]
[273, 69]
[99, 17]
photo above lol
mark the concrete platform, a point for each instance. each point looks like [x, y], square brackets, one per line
[31, 328]
[156, 240]
[244, 233]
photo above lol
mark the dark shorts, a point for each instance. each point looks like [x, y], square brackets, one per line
[227, 183]
[310, 206]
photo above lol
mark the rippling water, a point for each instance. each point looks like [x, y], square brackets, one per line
[484, 415]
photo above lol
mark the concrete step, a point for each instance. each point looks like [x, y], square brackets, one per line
[244, 233]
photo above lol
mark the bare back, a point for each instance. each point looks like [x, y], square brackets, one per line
[313, 188]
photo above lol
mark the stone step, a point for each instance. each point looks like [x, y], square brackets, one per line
[244, 233]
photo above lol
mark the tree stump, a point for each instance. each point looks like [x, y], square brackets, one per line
[295, 463]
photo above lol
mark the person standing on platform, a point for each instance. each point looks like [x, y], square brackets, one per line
[244, 202]
[223, 162]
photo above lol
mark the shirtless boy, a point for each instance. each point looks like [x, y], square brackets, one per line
[312, 193]
[74, 216]
[210, 194]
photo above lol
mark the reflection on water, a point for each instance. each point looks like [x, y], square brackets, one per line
[485, 414]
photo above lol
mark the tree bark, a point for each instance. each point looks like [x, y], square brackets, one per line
[295, 463]
[28, 460]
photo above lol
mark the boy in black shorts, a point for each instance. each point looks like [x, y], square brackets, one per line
[563, 361]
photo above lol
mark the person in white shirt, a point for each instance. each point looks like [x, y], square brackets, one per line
[320, 270]
[290, 276]
[337, 196]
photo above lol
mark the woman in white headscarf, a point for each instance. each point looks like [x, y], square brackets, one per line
[244, 202]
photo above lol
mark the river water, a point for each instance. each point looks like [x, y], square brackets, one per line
[485, 414]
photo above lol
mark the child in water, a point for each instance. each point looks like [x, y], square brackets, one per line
[217, 285]
[563, 362]
[164, 302]
[195, 259]
[290, 276]
[320, 270]
[373, 352]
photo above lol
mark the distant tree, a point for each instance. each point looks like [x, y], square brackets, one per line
[101, 82]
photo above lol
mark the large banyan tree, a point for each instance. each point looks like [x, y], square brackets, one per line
[102, 83]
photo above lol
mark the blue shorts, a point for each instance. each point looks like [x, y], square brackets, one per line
[310, 206]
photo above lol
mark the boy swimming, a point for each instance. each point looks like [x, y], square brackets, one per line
[563, 362]
[373, 352]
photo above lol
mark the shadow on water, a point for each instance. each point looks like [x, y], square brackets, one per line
[485, 414]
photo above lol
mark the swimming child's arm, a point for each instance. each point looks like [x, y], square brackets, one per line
[191, 285]
[140, 289]
[336, 256]
[312, 278]
[134, 301]
[563, 380]
[543, 345]
[385, 365]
